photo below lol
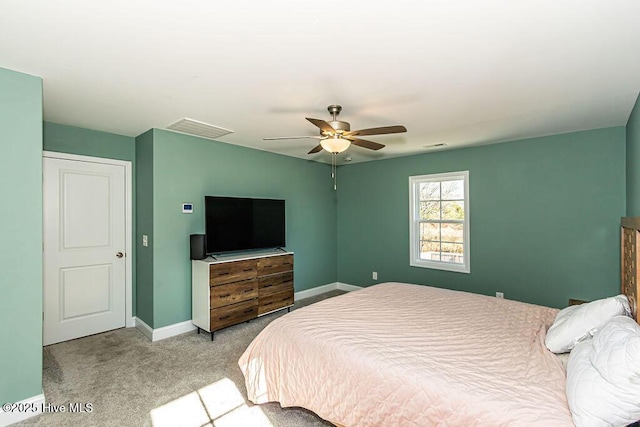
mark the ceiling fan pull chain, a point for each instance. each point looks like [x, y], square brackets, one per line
[333, 165]
[333, 170]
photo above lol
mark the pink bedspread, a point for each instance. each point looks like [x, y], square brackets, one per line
[400, 355]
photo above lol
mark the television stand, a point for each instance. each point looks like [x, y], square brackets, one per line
[238, 288]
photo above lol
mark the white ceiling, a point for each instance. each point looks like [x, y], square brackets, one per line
[460, 72]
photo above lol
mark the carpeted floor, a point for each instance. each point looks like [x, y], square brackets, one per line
[186, 380]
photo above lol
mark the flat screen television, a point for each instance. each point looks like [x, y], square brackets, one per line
[241, 224]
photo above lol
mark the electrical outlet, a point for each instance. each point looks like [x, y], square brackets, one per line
[375, 275]
[145, 240]
[500, 295]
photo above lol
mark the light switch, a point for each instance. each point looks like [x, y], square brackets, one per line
[145, 240]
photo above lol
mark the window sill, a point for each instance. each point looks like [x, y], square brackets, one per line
[458, 268]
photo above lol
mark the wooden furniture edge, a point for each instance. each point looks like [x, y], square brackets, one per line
[631, 222]
[243, 256]
[630, 263]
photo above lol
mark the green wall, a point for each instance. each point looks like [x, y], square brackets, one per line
[186, 168]
[633, 161]
[21, 231]
[545, 216]
[144, 225]
[87, 142]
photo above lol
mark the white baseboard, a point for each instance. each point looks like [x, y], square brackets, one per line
[173, 330]
[188, 326]
[165, 331]
[35, 403]
[325, 288]
[315, 291]
[347, 287]
[146, 330]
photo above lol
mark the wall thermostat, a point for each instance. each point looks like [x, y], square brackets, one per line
[187, 208]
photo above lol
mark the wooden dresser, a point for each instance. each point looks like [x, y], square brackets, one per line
[236, 289]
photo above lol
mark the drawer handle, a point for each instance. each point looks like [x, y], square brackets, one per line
[248, 269]
[285, 299]
[223, 274]
[248, 310]
[225, 296]
[248, 290]
[268, 286]
[224, 317]
[269, 303]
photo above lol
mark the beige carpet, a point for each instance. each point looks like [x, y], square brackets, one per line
[186, 380]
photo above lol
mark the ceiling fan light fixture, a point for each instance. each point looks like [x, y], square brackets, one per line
[335, 144]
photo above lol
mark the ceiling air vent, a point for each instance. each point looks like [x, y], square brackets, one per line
[194, 127]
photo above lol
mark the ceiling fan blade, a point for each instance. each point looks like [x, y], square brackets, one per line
[366, 144]
[315, 149]
[378, 131]
[274, 138]
[324, 126]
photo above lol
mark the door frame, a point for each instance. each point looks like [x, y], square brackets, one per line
[128, 196]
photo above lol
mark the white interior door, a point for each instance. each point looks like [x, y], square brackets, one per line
[84, 249]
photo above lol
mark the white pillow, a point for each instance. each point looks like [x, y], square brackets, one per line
[603, 376]
[577, 322]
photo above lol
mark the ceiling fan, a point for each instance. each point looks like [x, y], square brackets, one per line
[336, 135]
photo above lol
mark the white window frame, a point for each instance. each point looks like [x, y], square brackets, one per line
[414, 222]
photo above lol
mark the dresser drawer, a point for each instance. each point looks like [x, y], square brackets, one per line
[229, 272]
[232, 293]
[275, 264]
[232, 314]
[275, 301]
[276, 283]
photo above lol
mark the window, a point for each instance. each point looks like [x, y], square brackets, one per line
[439, 210]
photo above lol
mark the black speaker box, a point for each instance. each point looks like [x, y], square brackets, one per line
[198, 246]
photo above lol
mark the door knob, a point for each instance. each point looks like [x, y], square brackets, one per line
[119, 255]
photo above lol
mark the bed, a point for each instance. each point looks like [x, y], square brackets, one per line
[404, 354]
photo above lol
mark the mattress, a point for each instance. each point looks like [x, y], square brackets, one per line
[401, 354]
